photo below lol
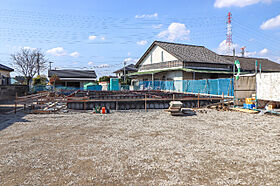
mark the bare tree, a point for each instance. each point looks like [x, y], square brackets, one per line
[29, 62]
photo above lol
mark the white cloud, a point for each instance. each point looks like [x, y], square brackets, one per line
[249, 54]
[103, 66]
[264, 51]
[175, 31]
[98, 66]
[75, 54]
[271, 23]
[102, 38]
[130, 60]
[238, 3]
[157, 26]
[155, 15]
[251, 40]
[224, 49]
[92, 37]
[29, 48]
[58, 51]
[143, 42]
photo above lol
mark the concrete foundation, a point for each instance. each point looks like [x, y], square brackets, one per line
[127, 100]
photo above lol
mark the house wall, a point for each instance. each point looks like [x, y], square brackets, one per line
[4, 73]
[156, 53]
[68, 83]
[268, 86]
[197, 76]
[120, 74]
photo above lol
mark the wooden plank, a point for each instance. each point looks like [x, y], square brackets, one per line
[245, 110]
[147, 99]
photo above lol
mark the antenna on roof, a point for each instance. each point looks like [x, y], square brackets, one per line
[243, 51]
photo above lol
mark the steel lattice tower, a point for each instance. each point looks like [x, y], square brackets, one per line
[229, 32]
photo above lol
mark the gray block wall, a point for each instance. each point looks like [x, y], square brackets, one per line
[8, 92]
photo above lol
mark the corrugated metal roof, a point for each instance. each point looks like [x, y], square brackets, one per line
[73, 73]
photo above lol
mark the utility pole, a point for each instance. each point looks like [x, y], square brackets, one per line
[233, 51]
[38, 63]
[50, 65]
[124, 64]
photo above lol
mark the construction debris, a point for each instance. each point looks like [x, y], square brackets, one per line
[176, 109]
[249, 111]
[51, 102]
[43, 102]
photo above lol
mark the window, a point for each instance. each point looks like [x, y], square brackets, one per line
[151, 58]
[161, 56]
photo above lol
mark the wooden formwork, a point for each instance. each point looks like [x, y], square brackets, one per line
[38, 101]
[86, 100]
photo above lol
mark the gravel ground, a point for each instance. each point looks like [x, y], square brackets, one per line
[138, 148]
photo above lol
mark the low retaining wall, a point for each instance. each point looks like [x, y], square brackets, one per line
[244, 87]
[9, 92]
[127, 105]
[126, 100]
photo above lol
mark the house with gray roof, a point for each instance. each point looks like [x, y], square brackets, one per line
[5, 77]
[248, 64]
[127, 70]
[174, 61]
[73, 78]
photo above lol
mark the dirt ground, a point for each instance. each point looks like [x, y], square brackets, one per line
[138, 148]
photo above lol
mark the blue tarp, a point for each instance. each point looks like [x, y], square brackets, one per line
[205, 86]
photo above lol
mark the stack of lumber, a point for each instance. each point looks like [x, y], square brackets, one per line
[176, 109]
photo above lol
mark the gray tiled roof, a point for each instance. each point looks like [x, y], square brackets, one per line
[130, 67]
[248, 63]
[3, 67]
[192, 53]
[188, 53]
[73, 73]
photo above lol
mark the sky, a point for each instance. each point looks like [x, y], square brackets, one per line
[102, 34]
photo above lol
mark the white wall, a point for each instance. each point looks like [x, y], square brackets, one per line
[177, 76]
[156, 56]
[268, 86]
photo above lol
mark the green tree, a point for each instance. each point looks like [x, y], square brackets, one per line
[126, 82]
[20, 80]
[40, 80]
[104, 79]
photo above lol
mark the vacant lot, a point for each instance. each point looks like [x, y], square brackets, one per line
[141, 148]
